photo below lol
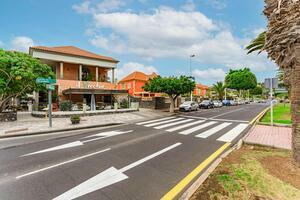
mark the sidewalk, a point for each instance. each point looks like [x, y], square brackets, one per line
[273, 136]
[27, 124]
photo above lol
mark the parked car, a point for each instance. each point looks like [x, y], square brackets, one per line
[226, 103]
[188, 106]
[217, 104]
[206, 104]
[233, 103]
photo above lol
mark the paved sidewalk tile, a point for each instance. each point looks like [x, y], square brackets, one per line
[280, 137]
[26, 123]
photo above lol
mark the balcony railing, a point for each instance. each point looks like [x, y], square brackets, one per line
[73, 84]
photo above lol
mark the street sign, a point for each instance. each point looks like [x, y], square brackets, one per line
[271, 82]
[50, 87]
[46, 80]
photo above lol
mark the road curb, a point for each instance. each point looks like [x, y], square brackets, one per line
[58, 130]
[259, 116]
[200, 180]
[196, 184]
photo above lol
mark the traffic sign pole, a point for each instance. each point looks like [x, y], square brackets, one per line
[271, 90]
[50, 107]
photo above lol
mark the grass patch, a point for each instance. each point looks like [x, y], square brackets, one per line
[281, 114]
[248, 178]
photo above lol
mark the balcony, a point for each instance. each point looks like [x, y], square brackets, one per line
[74, 84]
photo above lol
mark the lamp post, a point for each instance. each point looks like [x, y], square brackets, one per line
[191, 56]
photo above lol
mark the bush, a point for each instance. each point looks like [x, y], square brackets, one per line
[75, 119]
[124, 103]
[65, 105]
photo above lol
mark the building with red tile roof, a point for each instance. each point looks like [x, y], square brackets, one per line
[134, 83]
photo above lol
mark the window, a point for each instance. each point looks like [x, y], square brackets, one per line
[129, 85]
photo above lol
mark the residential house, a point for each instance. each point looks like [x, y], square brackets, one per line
[82, 76]
[134, 83]
[200, 90]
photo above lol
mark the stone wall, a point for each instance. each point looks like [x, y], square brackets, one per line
[152, 103]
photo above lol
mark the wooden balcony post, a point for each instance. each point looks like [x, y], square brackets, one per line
[61, 67]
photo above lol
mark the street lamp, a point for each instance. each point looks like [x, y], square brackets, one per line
[191, 56]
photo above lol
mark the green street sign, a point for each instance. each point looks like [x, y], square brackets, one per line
[50, 87]
[45, 80]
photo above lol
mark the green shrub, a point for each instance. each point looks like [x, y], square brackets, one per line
[65, 105]
[75, 119]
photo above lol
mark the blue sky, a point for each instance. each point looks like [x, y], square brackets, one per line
[145, 35]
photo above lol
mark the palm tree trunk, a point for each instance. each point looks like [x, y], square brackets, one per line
[295, 106]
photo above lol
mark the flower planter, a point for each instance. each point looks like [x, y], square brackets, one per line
[8, 116]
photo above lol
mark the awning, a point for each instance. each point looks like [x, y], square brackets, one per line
[93, 91]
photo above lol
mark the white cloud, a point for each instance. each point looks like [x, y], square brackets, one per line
[104, 6]
[217, 4]
[1, 44]
[82, 8]
[189, 5]
[168, 33]
[110, 5]
[21, 43]
[212, 74]
[130, 67]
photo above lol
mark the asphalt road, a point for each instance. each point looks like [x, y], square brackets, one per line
[143, 160]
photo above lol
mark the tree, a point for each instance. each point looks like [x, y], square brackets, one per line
[258, 90]
[18, 72]
[283, 46]
[241, 79]
[172, 86]
[257, 44]
[219, 88]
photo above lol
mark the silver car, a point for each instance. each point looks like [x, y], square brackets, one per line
[217, 104]
[188, 106]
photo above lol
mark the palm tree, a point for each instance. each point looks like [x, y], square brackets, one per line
[282, 43]
[219, 88]
[257, 44]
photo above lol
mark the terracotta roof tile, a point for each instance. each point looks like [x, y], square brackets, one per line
[71, 50]
[138, 76]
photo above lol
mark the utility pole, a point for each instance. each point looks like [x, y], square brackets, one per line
[191, 56]
[271, 95]
[225, 93]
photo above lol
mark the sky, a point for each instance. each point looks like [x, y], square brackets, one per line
[145, 35]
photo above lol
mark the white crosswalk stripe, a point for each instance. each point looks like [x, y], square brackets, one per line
[214, 130]
[156, 120]
[173, 124]
[233, 133]
[197, 128]
[163, 122]
[184, 126]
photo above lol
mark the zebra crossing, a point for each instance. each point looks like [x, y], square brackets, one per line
[201, 128]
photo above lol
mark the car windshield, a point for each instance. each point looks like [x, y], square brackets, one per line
[187, 103]
[205, 101]
[216, 101]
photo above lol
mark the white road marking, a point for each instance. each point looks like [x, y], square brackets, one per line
[191, 130]
[101, 180]
[163, 122]
[62, 163]
[226, 113]
[184, 126]
[156, 120]
[105, 135]
[136, 163]
[64, 146]
[214, 130]
[172, 124]
[107, 177]
[233, 133]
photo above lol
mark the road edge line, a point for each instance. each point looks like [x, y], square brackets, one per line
[179, 187]
[259, 116]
